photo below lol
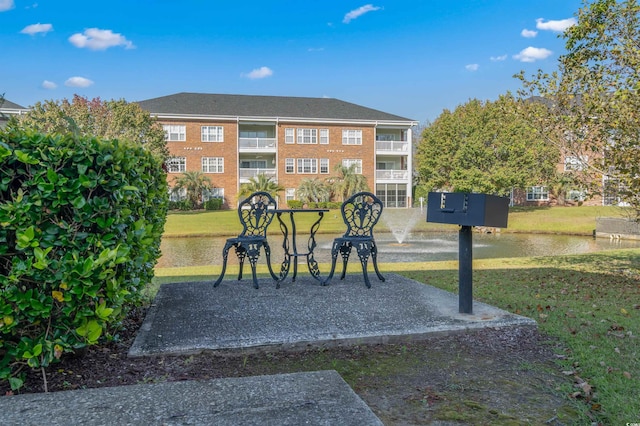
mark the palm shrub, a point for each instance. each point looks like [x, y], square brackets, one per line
[80, 226]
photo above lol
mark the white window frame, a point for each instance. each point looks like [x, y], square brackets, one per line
[289, 165]
[179, 195]
[538, 193]
[289, 194]
[307, 166]
[307, 136]
[210, 193]
[347, 162]
[351, 137]
[324, 136]
[212, 164]
[177, 164]
[175, 132]
[289, 135]
[212, 133]
[324, 166]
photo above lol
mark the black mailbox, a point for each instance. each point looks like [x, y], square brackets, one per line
[467, 209]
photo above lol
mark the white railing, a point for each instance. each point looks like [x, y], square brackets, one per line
[247, 173]
[259, 144]
[393, 146]
[395, 175]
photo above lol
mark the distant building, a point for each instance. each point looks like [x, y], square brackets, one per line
[7, 109]
[233, 138]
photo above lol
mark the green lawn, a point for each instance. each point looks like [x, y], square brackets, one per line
[591, 302]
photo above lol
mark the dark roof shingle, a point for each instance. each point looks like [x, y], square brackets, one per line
[263, 106]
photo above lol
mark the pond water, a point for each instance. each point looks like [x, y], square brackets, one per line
[417, 247]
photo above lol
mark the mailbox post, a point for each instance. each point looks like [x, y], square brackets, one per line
[467, 210]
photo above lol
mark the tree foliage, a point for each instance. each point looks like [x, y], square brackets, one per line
[593, 98]
[313, 190]
[114, 119]
[482, 147]
[347, 181]
[260, 182]
[194, 183]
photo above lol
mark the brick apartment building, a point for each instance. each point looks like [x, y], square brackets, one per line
[232, 138]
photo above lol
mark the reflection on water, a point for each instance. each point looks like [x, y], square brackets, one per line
[200, 251]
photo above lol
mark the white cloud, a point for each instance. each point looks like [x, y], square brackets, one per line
[6, 5]
[356, 13]
[261, 72]
[78, 82]
[37, 28]
[528, 33]
[472, 67]
[49, 85]
[557, 26]
[97, 39]
[532, 54]
[498, 58]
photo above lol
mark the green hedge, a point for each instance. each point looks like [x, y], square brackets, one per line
[80, 227]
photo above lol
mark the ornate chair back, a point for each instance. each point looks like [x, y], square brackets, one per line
[360, 213]
[256, 213]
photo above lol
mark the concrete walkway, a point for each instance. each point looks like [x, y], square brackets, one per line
[192, 317]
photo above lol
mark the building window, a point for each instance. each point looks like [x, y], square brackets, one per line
[290, 194]
[324, 136]
[177, 165]
[213, 164]
[537, 193]
[352, 137]
[289, 136]
[210, 193]
[289, 165]
[212, 133]
[575, 163]
[175, 133]
[348, 162]
[176, 195]
[307, 165]
[307, 136]
[324, 165]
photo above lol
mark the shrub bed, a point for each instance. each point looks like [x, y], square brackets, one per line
[80, 227]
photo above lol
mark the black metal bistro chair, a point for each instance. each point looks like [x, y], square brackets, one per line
[256, 213]
[360, 213]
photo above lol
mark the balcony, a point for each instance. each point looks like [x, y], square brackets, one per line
[257, 145]
[392, 176]
[392, 146]
[248, 173]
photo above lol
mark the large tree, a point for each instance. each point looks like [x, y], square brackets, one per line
[194, 184]
[482, 147]
[347, 181]
[591, 101]
[114, 119]
[260, 182]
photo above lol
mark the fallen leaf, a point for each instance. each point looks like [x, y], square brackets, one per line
[627, 374]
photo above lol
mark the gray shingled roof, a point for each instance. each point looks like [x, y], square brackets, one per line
[263, 106]
[10, 105]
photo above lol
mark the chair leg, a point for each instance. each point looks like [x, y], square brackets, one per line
[241, 252]
[374, 257]
[253, 252]
[335, 248]
[267, 253]
[225, 255]
[364, 251]
[345, 251]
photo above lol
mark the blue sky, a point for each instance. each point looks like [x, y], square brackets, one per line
[412, 58]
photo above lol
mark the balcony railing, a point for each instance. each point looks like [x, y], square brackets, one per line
[247, 173]
[257, 144]
[392, 175]
[392, 146]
